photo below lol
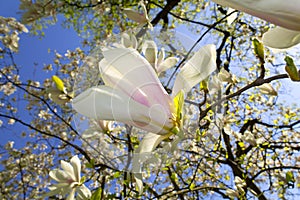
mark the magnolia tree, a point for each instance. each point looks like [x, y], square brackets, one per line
[164, 100]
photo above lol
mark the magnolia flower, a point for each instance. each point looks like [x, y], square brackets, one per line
[157, 59]
[133, 94]
[285, 14]
[69, 181]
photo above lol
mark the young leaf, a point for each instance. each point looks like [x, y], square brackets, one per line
[259, 49]
[291, 69]
[97, 194]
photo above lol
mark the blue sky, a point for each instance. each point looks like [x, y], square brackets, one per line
[33, 54]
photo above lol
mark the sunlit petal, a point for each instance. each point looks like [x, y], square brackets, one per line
[75, 162]
[166, 64]
[200, 66]
[281, 38]
[282, 13]
[67, 167]
[132, 68]
[105, 103]
[150, 52]
[58, 175]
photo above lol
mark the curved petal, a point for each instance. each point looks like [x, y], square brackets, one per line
[282, 13]
[71, 195]
[281, 38]
[136, 16]
[166, 64]
[68, 168]
[105, 103]
[58, 175]
[84, 192]
[200, 66]
[150, 142]
[150, 52]
[75, 162]
[114, 78]
[132, 68]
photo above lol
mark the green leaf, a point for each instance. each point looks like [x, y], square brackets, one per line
[97, 194]
[291, 69]
[91, 164]
[59, 84]
[289, 177]
[259, 49]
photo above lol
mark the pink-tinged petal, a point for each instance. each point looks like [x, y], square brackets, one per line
[112, 77]
[75, 162]
[282, 13]
[105, 103]
[135, 69]
[199, 67]
[281, 38]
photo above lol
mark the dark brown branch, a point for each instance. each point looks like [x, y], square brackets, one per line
[255, 83]
[274, 168]
[161, 15]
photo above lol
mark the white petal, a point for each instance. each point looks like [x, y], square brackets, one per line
[281, 38]
[161, 56]
[75, 162]
[129, 40]
[166, 64]
[150, 142]
[135, 16]
[282, 13]
[139, 182]
[200, 66]
[58, 175]
[105, 103]
[67, 167]
[232, 17]
[84, 193]
[150, 52]
[131, 73]
[71, 195]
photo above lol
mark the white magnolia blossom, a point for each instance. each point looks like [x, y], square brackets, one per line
[284, 14]
[9, 32]
[133, 94]
[69, 181]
